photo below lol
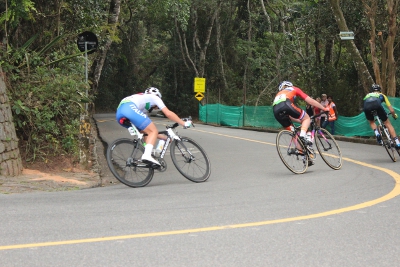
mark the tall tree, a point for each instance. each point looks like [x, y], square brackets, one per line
[362, 69]
[98, 63]
[386, 75]
[201, 39]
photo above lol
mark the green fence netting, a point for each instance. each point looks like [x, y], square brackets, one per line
[263, 117]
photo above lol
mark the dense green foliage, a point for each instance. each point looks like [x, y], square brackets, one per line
[45, 80]
[242, 48]
[299, 41]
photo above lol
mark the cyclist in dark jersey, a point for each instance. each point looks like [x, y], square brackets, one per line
[373, 101]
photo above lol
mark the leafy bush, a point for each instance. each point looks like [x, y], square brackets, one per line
[47, 101]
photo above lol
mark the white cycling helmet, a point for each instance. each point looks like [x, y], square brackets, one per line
[153, 91]
[285, 83]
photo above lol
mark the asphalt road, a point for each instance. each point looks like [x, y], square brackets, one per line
[251, 212]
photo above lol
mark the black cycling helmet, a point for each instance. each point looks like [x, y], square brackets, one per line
[375, 87]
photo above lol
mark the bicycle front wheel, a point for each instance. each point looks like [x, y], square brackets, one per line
[124, 160]
[190, 160]
[290, 150]
[387, 144]
[328, 148]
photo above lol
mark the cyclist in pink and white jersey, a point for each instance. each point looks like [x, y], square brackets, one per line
[136, 108]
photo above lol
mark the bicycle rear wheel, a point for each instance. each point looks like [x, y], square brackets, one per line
[290, 150]
[190, 160]
[328, 148]
[124, 160]
[387, 144]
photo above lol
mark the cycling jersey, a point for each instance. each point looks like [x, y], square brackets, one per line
[373, 101]
[144, 101]
[290, 94]
[284, 106]
[136, 107]
[382, 98]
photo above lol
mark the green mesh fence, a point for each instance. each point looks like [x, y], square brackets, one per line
[263, 117]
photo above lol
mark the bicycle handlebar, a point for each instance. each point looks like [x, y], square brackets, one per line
[172, 126]
[318, 115]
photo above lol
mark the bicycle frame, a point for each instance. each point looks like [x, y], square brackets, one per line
[380, 124]
[290, 147]
[387, 141]
[315, 128]
[124, 157]
[171, 135]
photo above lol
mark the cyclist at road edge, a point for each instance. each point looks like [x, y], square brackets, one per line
[136, 108]
[373, 101]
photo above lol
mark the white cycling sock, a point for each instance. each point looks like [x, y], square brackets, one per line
[376, 132]
[148, 149]
[397, 140]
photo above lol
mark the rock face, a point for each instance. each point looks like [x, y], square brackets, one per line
[10, 159]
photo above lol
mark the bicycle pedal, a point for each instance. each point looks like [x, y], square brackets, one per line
[151, 164]
[163, 166]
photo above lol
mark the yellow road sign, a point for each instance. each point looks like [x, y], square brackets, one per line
[199, 96]
[200, 85]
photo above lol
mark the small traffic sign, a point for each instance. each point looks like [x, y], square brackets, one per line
[91, 42]
[199, 96]
[200, 84]
[346, 35]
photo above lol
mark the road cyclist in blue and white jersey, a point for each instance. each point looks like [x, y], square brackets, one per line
[137, 108]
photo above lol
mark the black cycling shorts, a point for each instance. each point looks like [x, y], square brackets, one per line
[283, 110]
[371, 104]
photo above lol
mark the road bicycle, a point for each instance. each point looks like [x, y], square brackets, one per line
[297, 156]
[387, 142]
[124, 157]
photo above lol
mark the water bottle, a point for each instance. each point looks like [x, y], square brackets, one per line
[159, 147]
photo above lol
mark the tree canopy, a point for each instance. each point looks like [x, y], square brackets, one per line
[243, 48]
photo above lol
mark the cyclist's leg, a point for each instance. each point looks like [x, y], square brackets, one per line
[144, 124]
[392, 133]
[384, 118]
[370, 106]
[281, 115]
[152, 132]
[301, 116]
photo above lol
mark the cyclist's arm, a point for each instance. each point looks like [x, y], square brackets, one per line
[308, 99]
[387, 102]
[315, 103]
[172, 116]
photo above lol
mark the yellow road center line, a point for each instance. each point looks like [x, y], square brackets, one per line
[395, 192]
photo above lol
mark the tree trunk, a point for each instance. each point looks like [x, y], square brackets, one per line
[389, 46]
[371, 14]
[199, 68]
[363, 72]
[10, 158]
[387, 76]
[98, 62]
[220, 58]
